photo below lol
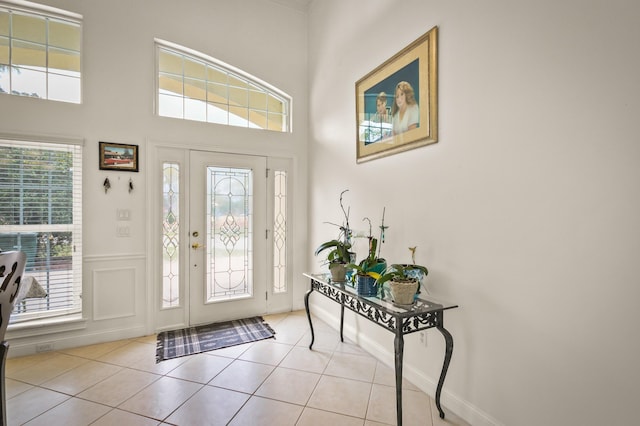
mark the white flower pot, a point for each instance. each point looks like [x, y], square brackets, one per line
[338, 272]
[403, 292]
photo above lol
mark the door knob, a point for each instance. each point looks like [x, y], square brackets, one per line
[195, 246]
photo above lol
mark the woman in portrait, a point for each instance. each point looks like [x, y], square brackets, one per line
[405, 111]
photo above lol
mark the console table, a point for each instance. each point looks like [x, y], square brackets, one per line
[425, 313]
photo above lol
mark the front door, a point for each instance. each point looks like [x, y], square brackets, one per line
[227, 243]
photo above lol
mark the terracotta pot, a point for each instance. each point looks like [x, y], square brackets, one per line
[403, 292]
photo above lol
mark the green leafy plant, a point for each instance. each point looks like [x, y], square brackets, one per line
[401, 273]
[339, 252]
[367, 265]
[372, 265]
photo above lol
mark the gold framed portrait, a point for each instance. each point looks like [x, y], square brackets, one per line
[397, 103]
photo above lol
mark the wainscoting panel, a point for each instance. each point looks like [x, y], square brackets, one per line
[114, 293]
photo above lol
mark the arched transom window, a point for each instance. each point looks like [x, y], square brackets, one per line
[193, 86]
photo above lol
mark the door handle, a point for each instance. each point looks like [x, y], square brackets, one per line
[195, 246]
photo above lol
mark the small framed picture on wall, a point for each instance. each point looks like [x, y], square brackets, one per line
[117, 156]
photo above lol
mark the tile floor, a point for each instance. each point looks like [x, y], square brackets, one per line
[272, 382]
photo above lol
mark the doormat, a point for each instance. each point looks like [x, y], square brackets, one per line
[203, 338]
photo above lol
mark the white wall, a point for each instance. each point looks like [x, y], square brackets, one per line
[260, 37]
[525, 211]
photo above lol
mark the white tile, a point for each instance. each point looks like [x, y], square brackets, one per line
[289, 385]
[416, 407]
[72, 412]
[200, 368]
[14, 365]
[41, 372]
[322, 339]
[242, 376]
[81, 378]
[315, 417]
[161, 398]
[301, 358]
[129, 354]
[350, 366]
[289, 335]
[95, 351]
[32, 403]
[14, 387]
[148, 363]
[261, 411]
[387, 376]
[117, 417]
[231, 351]
[266, 352]
[342, 396]
[116, 389]
[209, 406]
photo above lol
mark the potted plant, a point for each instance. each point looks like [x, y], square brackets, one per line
[369, 268]
[368, 271]
[403, 281]
[338, 258]
[340, 255]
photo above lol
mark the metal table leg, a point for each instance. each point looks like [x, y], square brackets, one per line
[306, 306]
[399, 352]
[447, 359]
[341, 317]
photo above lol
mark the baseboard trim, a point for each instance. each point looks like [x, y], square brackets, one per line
[18, 349]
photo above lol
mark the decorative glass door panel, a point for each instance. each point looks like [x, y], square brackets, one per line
[227, 278]
[229, 233]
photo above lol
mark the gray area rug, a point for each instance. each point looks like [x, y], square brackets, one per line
[203, 338]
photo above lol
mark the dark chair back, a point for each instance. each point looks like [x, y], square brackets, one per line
[12, 264]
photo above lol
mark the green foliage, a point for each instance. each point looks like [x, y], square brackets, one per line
[340, 252]
[371, 261]
[398, 272]
[59, 245]
[36, 186]
[362, 271]
[371, 264]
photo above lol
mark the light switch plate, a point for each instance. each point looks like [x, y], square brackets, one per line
[123, 214]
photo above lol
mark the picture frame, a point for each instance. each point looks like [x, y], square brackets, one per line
[413, 72]
[118, 156]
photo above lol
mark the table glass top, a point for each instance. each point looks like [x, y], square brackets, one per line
[424, 303]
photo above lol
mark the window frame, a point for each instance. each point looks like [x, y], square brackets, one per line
[251, 82]
[74, 310]
[48, 14]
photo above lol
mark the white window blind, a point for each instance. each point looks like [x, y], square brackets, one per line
[41, 214]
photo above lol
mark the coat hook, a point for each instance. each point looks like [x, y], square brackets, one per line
[130, 185]
[106, 185]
